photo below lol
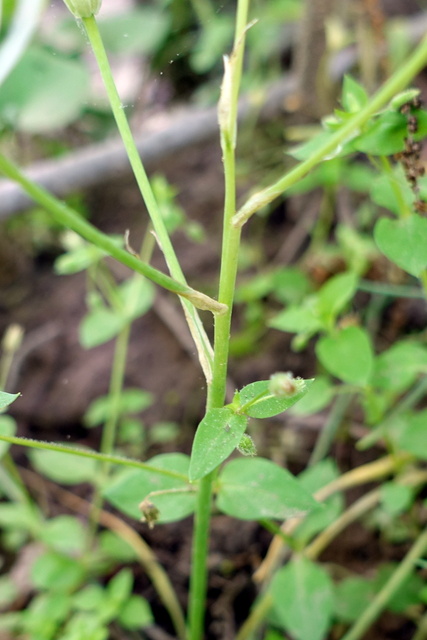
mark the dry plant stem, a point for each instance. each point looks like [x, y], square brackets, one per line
[396, 83]
[154, 570]
[216, 392]
[380, 601]
[197, 330]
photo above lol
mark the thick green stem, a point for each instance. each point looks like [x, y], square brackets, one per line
[229, 256]
[396, 83]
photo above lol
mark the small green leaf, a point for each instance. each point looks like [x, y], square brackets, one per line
[312, 479]
[303, 599]
[57, 572]
[129, 488]
[140, 30]
[396, 498]
[347, 355]
[257, 401]
[136, 613]
[63, 467]
[352, 596]
[335, 294]
[354, 96]
[216, 437]
[255, 489]
[43, 92]
[6, 399]
[298, 318]
[385, 136]
[397, 368]
[413, 437]
[131, 401]
[404, 242]
[119, 588]
[64, 533]
[100, 325]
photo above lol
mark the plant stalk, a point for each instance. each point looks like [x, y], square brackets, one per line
[227, 281]
[195, 325]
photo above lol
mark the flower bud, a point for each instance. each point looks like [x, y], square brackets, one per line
[246, 446]
[150, 513]
[83, 8]
[284, 385]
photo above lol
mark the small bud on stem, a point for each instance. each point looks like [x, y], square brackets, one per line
[83, 8]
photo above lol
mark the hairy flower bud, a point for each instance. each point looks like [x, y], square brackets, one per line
[284, 385]
[83, 8]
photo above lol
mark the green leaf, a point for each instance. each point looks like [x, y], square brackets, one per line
[119, 589]
[256, 489]
[396, 498]
[385, 136]
[216, 437]
[6, 399]
[408, 593]
[383, 189]
[303, 599]
[263, 404]
[65, 468]
[215, 39]
[43, 92]
[113, 546]
[354, 96]
[57, 572]
[136, 613]
[319, 395]
[397, 368]
[298, 318]
[413, 437]
[100, 325]
[131, 487]
[131, 401]
[404, 242]
[312, 479]
[7, 428]
[335, 294]
[8, 591]
[347, 355]
[352, 596]
[139, 30]
[64, 533]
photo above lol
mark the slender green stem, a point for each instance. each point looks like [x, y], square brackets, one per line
[229, 256]
[69, 218]
[110, 427]
[371, 613]
[396, 83]
[195, 325]
[327, 434]
[256, 616]
[392, 290]
[94, 455]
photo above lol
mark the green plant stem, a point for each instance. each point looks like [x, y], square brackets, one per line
[110, 428]
[66, 216]
[391, 290]
[398, 81]
[256, 617]
[94, 455]
[228, 272]
[371, 613]
[327, 434]
[162, 236]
